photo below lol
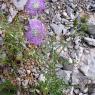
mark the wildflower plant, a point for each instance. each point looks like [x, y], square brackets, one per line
[15, 48]
[36, 32]
[34, 7]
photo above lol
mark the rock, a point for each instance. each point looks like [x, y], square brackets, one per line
[91, 20]
[90, 41]
[25, 83]
[81, 94]
[19, 4]
[65, 15]
[47, 11]
[85, 90]
[93, 94]
[91, 89]
[28, 72]
[71, 91]
[3, 6]
[63, 74]
[87, 64]
[13, 13]
[58, 29]
[42, 78]
[75, 77]
[70, 13]
[22, 72]
[91, 6]
[78, 78]
[91, 29]
[68, 67]
[2, 80]
[18, 81]
[57, 18]
[58, 66]
[76, 91]
[64, 54]
[70, 60]
[54, 0]
[1, 41]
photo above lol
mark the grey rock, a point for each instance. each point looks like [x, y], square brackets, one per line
[85, 90]
[71, 92]
[57, 18]
[70, 13]
[91, 89]
[68, 67]
[54, 0]
[1, 41]
[59, 29]
[91, 20]
[75, 77]
[22, 72]
[80, 93]
[90, 41]
[13, 13]
[91, 29]
[42, 78]
[93, 94]
[3, 6]
[63, 74]
[2, 80]
[78, 78]
[28, 72]
[87, 64]
[64, 55]
[76, 91]
[58, 66]
[91, 6]
[25, 83]
[19, 4]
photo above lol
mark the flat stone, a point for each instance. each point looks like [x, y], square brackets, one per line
[19, 4]
[87, 64]
[70, 13]
[90, 41]
[13, 13]
[91, 29]
[58, 29]
[78, 78]
[63, 74]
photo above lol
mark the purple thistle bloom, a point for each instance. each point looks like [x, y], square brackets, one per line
[36, 32]
[34, 7]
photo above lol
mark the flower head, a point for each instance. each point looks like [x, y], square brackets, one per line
[36, 32]
[34, 7]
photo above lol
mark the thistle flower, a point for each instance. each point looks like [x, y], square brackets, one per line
[34, 7]
[36, 32]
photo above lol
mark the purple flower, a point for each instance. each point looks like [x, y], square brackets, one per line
[34, 7]
[36, 32]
